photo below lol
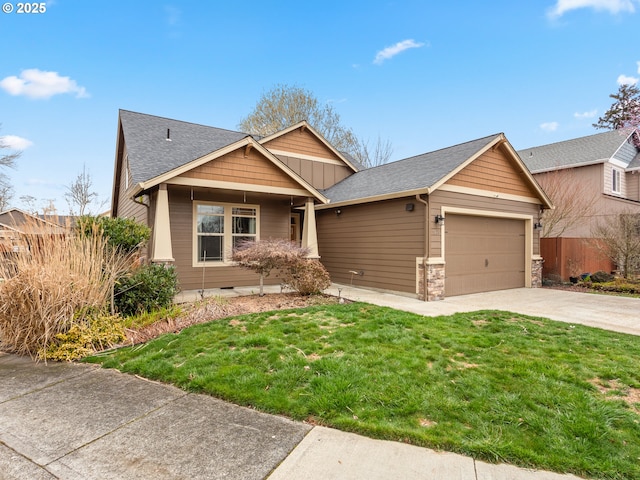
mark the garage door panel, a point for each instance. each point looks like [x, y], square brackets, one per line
[483, 254]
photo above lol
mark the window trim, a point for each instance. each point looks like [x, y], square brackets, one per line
[616, 186]
[227, 235]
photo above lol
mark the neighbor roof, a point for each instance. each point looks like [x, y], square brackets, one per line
[411, 174]
[150, 153]
[589, 150]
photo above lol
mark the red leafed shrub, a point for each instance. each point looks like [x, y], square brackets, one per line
[306, 276]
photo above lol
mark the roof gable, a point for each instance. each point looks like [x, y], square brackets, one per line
[243, 166]
[496, 171]
[156, 145]
[302, 139]
[159, 149]
[576, 152]
[412, 174]
[24, 222]
[427, 172]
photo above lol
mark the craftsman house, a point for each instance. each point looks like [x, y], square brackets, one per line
[605, 168]
[454, 221]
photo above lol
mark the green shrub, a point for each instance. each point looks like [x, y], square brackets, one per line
[85, 337]
[123, 234]
[601, 277]
[147, 288]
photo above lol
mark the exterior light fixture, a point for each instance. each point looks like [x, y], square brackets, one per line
[409, 207]
[537, 225]
[439, 220]
[338, 211]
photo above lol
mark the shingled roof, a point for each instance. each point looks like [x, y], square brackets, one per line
[150, 153]
[576, 152]
[409, 175]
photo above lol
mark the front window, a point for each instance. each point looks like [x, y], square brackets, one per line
[222, 227]
[615, 181]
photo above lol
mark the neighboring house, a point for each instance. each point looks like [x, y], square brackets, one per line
[454, 221]
[15, 224]
[606, 166]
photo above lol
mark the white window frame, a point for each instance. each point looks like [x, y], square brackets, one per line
[227, 234]
[616, 181]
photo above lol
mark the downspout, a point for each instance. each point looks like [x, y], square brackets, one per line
[426, 244]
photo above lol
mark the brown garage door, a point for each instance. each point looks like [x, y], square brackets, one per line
[483, 254]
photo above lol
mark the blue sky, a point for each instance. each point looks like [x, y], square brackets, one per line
[422, 74]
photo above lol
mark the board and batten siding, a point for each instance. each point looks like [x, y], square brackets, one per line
[480, 205]
[319, 174]
[380, 239]
[274, 223]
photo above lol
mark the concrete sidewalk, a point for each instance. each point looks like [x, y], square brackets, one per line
[70, 421]
[81, 422]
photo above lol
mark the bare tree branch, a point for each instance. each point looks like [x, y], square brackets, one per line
[573, 201]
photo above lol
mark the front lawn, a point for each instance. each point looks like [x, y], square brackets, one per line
[497, 386]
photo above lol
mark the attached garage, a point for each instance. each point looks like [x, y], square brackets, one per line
[483, 254]
[455, 221]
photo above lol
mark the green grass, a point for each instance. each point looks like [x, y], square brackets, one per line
[497, 386]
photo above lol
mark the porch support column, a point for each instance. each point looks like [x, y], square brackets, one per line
[309, 232]
[162, 251]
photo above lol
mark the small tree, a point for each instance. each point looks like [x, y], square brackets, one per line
[6, 189]
[79, 193]
[620, 238]
[625, 108]
[263, 256]
[624, 113]
[304, 275]
[572, 199]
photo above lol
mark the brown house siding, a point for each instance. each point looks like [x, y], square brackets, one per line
[274, 223]
[494, 171]
[235, 167]
[301, 141]
[633, 185]
[127, 208]
[441, 199]
[380, 239]
[319, 174]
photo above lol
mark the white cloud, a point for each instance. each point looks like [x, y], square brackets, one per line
[394, 50]
[14, 142]
[624, 80]
[173, 15]
[549, 126]
[34, 83]
[589, 114]
[612, 6]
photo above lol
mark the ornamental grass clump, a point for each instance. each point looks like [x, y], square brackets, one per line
[54, 281]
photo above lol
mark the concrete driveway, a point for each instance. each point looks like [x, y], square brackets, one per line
[620, 314]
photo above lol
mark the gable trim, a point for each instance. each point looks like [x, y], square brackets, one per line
[376, 198]
[488, 193]
[246, 187]
[499, 141]
[305, 124]
[169, 177]
[302, 156]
